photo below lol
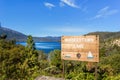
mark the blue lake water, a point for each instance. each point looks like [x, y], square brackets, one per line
[45, 46]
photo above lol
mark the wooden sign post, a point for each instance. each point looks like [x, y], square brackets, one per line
[80, 48]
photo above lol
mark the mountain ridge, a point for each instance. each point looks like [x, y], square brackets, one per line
[12, 34]
[106, 35]
[18, 36]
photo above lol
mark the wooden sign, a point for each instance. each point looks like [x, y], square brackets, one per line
[81, 48]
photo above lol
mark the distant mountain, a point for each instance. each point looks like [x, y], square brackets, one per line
[47, 39]
[12, 34]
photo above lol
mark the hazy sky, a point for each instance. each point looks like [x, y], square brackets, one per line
[60, 17]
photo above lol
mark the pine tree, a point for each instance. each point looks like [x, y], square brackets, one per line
[30, 44]
[31, 60]
[30, 47]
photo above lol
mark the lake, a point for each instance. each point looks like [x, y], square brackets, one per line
[45, 46]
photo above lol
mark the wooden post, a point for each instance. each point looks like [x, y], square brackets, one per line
[63, 68]
[96, 71]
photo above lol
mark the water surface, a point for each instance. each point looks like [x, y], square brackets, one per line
[45, 46]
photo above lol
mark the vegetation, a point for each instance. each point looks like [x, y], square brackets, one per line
[18, 62]
[106, 35]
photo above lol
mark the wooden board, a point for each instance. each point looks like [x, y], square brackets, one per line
[81, 48]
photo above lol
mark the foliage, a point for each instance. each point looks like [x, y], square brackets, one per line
[17, 62]
[26, 63]
[55, 58]
[117, 77]
[80, 76]
[30, 44]
[41, 55]
[106, 35]
[3, 36]
[55, 63]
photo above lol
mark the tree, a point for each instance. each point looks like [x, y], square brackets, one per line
[31, 62]
[55, 58]
[3, 36]
[30, 44]
[55, 62]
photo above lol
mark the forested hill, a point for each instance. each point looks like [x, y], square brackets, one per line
[12, 34]
[18, 36]
[106, 35]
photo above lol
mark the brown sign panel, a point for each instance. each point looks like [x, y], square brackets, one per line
[81, 48]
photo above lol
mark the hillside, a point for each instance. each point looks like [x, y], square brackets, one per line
[46, 39]
[12, 34]
[106, 35]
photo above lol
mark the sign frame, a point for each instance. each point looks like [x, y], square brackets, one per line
[80, 48]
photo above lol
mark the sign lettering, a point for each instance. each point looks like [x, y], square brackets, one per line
[82, 48]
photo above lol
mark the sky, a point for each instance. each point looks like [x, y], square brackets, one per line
[60, 17]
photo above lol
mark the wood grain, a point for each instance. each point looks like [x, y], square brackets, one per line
[84, 45]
